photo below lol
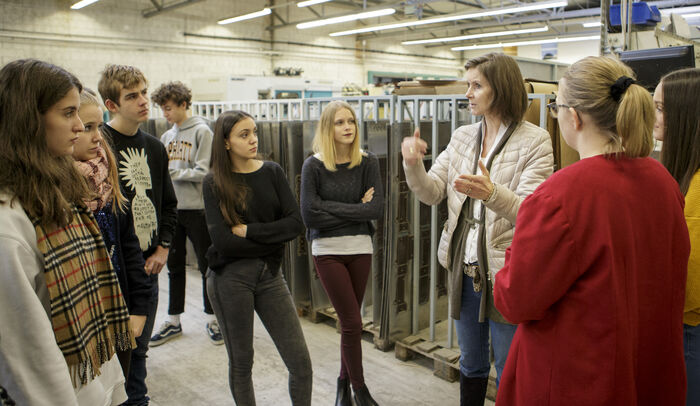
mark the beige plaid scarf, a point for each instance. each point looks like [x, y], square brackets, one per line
[88, 313]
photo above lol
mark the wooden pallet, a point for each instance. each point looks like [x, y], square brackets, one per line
[445, 360]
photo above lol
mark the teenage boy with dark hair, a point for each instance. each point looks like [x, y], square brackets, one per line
[145, 181]
[188, 144]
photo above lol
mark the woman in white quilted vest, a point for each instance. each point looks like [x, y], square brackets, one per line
[486, 171]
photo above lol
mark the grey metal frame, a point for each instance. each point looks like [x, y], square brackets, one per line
[392, 109]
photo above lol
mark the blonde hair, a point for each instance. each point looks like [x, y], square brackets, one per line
[324, 141]
[114, 78]
[88, 97]
[628, 122]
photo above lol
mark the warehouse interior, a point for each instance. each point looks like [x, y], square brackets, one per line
[400, 65]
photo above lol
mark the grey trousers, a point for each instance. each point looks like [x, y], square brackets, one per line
[235, 292]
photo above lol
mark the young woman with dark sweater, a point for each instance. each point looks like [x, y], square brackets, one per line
[251, 212]
[95, 160]
[341, 193]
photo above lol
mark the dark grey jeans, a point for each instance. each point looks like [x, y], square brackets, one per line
[236, 291]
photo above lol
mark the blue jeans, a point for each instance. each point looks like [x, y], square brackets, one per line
[691, 348]
[473, 337]
[136, 381]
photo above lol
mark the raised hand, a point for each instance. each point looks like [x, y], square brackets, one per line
[413, 148]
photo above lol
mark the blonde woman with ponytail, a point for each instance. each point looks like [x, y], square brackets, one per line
[596, 272]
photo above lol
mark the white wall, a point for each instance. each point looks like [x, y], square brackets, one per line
[111, 31]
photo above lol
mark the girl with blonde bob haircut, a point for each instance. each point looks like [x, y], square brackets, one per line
[341, 194]
[323, 143]
[596, 271]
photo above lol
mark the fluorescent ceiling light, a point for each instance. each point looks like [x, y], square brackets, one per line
[257, 14]
[349, 17]
[308, 3]
[680, 10]
[593, 24]
[455, 17]
[82, 4]
[691, 15]
[473, 36]
[533, 42]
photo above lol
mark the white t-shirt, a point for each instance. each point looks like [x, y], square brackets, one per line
[345, 245]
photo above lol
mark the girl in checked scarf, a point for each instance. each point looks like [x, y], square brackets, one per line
[61, 310]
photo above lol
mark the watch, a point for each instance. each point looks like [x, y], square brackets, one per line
[164, 244]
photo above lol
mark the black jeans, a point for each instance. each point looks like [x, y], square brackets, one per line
[136, 381]
[190, 224]
[236, 292]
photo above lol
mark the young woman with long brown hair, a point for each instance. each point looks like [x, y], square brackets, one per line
[61, 309]
[677, 125]
[95, 160]
[251, 212]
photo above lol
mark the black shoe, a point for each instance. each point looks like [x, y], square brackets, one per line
[472, 391]
[363, 398]
[342, 398]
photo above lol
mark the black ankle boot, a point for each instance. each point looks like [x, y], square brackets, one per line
[472, 391]
[363, 398]
[342, 397]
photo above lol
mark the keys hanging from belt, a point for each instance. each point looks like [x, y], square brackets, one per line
[472, 271]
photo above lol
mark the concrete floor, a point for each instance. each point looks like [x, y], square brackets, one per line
[189, 370]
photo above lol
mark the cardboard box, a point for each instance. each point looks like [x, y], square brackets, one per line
[564, 155]
[416, 88]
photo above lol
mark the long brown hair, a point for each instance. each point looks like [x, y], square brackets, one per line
[629, 122]
[46, 186]
[229, 186]
[681, 150]
[88, 97]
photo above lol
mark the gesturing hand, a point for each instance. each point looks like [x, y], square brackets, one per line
[413, 148]
[240, 230]
[369, 194]
[475, 186]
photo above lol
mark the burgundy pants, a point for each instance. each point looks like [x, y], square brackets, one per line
[345, 278]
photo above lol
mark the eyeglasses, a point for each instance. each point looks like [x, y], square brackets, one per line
[554, 108]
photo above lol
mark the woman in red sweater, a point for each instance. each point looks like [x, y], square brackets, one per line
[596, 272]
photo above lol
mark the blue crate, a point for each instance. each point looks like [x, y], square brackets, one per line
[642, 14]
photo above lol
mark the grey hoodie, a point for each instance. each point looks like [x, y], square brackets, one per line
[189, 152]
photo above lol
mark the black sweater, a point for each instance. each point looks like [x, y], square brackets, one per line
[127, 258]
[271, 216]
[135, 179]
[331, 202]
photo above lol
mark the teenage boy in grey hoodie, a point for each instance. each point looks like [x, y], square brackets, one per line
[188, 144]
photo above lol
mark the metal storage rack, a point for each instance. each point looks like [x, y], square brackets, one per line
[407, 293]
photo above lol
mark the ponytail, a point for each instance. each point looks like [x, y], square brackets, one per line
[635, 122]
[604, 88]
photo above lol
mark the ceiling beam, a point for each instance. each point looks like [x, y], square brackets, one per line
[163, 8]
[376, 5]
